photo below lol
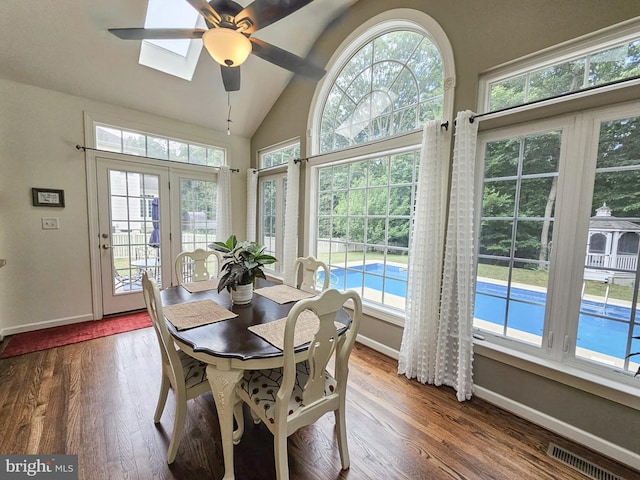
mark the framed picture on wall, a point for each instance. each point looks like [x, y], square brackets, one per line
[47, 197]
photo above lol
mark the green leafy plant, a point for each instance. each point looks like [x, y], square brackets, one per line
[243, 262]
[633, 354]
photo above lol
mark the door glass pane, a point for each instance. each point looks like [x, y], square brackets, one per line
[135, 229]
[516, 229]
[609, 301]
[269, 213]
[197, 213]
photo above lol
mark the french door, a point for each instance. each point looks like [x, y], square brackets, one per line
[143, 224]
[134, 231]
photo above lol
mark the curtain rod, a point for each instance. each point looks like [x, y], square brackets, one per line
[444, 125]
[554, 97]
[84, 149]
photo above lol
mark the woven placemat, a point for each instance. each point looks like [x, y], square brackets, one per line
[306, 328]
[203, 286]
[194, 314]
[283, 293]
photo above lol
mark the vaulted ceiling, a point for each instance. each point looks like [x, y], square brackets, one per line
[65, 46]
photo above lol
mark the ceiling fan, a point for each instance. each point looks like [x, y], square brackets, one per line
[228, 38]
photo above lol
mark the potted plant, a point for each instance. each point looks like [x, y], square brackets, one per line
[243, 262]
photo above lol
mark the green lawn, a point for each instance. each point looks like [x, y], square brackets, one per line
[539, 278]
[524, 276]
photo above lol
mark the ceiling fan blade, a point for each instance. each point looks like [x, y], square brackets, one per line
[206, 11]
[285, 59]
[265, 12]
[156, 33]
[230, 78]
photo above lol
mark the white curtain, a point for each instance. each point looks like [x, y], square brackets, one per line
[223, 212]
[290, 241]
[418, 348]
[455, 340]
[437, 345]
[252, 203]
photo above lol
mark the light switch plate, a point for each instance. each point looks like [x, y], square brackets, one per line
[49, 223]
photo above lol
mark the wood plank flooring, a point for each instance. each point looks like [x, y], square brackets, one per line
[96, 399]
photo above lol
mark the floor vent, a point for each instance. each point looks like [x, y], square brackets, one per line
[586, 467]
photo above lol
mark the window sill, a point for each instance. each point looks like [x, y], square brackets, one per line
[620, 392]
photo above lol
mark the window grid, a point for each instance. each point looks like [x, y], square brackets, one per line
[611, 269]
[117, 140]
[598, 66]
[279, 156]
[365, 211]
[391, 85]
[515, 235]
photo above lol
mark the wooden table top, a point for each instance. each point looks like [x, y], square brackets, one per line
[231, 338]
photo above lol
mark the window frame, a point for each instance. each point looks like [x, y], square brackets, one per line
[277, 173]
[583, 112]
[396, 19]
[554, 55]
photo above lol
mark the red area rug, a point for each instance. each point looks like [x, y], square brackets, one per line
[44, 339]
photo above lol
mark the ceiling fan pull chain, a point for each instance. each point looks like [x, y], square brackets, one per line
[229, 115]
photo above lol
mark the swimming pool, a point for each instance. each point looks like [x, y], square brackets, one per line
[526, 307]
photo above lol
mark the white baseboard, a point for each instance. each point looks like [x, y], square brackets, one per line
[46, 324]
[566, 430]
[378, 347]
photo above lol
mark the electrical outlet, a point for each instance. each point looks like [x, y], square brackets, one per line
[49, 223]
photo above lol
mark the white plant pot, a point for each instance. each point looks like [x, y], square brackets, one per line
[242, 295]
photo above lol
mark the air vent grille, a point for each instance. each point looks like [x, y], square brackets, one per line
[578, 463]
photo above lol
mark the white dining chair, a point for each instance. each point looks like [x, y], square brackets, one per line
[309, 267]
[185, 375]
[198, 265]
[288, 398]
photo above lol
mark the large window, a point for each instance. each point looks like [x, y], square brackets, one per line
[520, 185]
[559, 224]
[365, 211]
[391, 77]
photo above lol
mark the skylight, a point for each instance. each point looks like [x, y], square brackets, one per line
[175, 57]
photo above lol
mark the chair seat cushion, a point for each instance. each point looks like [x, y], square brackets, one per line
[195, 371]
[262, 387]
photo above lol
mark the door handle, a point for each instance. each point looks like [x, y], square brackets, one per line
[106, 246]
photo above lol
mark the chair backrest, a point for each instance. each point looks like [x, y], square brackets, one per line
[309, 281]
[198, 266]
[170, 359]
[325, 344]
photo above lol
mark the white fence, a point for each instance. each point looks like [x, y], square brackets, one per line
[139, 243]
[617, 262]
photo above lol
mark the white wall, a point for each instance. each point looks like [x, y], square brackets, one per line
[47, 279]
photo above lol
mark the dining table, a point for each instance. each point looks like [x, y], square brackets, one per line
[229, 347]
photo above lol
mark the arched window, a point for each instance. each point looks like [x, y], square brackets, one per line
[598, 243]
[628, 244]
[386, 80]
[392, 85]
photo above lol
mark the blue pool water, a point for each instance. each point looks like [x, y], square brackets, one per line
[605, 335]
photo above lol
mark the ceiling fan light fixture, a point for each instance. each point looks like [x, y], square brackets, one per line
[227, 47]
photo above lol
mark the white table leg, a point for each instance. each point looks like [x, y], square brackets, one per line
[223, 386]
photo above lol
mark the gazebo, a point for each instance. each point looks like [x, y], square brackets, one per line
[612, 248]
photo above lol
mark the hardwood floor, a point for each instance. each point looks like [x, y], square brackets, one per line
[96, 399]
